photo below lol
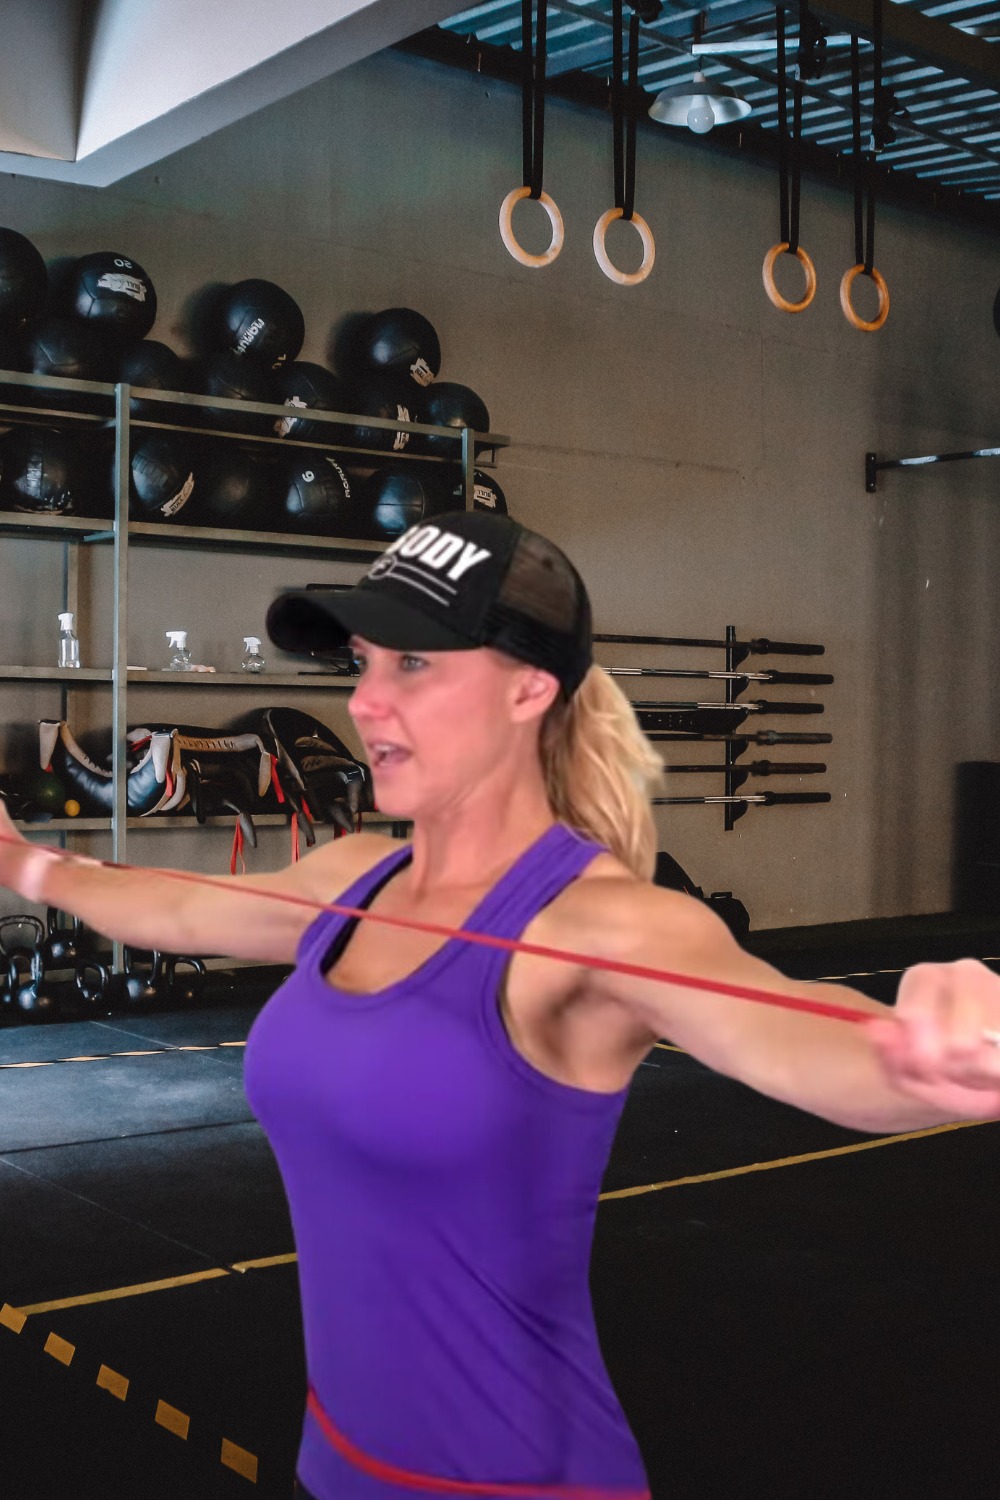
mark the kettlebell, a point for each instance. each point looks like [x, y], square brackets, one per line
[31, 996]
[8, 979]
[140, 987]
[63, 945]
[184, 989]
[93, 991]
[21, 936]
[21, 946]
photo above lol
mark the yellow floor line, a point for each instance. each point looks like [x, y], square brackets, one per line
[113, 1294]
[12, 1315]
[264, 1263]
[51, 1062]
[177, 1422]
[60, 1349]
[237, 1458]
[790, 1161]
[110, 1380]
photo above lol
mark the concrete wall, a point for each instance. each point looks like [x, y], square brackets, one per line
[697, 452]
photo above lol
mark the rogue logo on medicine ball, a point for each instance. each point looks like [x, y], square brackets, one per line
[257, 321]
[247, 337]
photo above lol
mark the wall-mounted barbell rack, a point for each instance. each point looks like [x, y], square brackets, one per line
[718, 721]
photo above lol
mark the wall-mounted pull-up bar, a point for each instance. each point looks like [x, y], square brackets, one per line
[874, 465]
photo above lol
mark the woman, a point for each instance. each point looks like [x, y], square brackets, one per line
[442, 1113]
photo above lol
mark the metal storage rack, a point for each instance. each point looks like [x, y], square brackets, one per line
[102, 404]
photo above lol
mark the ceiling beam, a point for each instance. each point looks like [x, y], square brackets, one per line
[924, 38]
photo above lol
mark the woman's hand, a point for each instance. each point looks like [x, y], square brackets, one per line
[935, 1044]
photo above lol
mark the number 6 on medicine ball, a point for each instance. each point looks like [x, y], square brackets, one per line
[316, 496]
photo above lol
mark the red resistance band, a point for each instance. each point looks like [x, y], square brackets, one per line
[407, 1480]
[799, 1003]
[237, 853]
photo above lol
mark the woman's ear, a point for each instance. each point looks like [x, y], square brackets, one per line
[534, 694]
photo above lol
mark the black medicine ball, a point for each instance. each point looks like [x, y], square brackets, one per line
[111, 292]
[24, 281]
[156, 367]
[317, 496]
[486, 495]
[401, 342]
[256, 320]
[62, 347]
[41, 471]
[390, 401]
[237, 380]
[394, 499]
[446, 404]
[232, 489]
[162, 477]
[301, 386]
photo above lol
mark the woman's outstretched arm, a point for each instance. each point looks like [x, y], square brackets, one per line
[925, 1061]
[149, 909]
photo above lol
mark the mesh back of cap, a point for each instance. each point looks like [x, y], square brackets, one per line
[542, 585]
[542, 613]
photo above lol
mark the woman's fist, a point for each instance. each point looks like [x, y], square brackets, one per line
[941, 1042]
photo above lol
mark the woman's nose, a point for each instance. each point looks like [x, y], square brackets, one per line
[369, 699]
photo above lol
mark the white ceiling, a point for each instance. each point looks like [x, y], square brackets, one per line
[91, 90]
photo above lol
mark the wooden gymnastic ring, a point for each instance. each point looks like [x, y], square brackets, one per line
[507, 229]
[772, 291]
[624, 278]
[847, 282]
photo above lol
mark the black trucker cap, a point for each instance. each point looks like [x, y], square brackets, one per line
[462, 580]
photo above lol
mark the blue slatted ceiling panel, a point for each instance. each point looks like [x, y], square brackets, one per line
[950, 134]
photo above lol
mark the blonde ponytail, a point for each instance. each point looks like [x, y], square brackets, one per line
[600, 770]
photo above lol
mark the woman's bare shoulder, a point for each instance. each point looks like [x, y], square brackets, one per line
[330, 869]
[610, 907]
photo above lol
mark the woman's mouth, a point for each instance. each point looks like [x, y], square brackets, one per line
[384, 755]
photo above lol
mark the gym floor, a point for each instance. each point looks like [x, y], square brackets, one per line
[820, 1325]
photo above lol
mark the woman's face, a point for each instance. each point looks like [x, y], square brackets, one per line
[437, 724]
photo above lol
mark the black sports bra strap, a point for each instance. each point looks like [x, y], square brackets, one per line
[335, 950]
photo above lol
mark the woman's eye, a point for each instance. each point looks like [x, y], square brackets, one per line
[412, 663]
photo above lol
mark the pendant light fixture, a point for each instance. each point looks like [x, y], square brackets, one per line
[700, 104]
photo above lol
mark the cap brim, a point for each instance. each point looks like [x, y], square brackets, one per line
[310, 622]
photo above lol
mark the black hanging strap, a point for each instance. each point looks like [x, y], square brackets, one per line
[859, 186]
[878, 112]
[864, 159]
[533, 58]
[789, 145]
[624, 108]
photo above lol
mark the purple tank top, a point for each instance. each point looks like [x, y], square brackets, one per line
[443, 1195]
